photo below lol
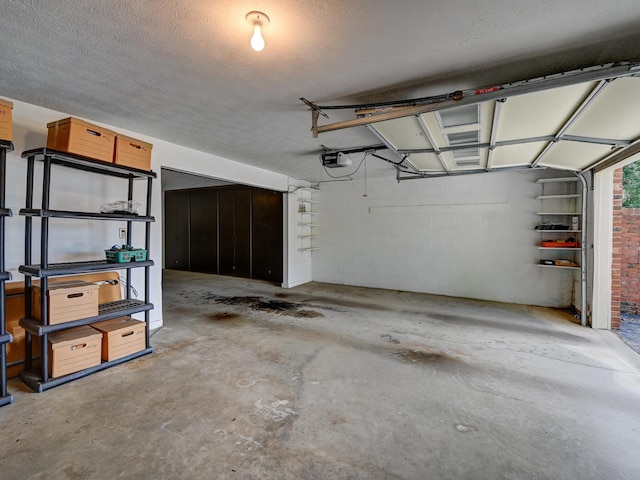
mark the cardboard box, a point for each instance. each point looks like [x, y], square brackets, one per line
[73, 135]
[121, 336]
[131, 152]
[68, 301]
[74, 349]
[6, 120]
[14, 311]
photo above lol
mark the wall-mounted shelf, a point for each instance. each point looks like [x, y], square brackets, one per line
[566, 214]
[550, 197]
[557, 180]
[308, 233]
[560, 266]
[562, 199]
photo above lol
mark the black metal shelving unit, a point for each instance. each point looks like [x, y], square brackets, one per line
[5, 337]
[38, 379]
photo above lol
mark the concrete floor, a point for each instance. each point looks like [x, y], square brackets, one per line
[251, 381]
[629, 330]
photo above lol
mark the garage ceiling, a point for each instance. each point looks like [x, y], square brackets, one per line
[184, 72]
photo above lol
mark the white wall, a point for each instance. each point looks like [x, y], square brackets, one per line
[467, 236]
[299, 262]
[71, 240]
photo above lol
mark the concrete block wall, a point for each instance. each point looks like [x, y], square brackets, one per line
[466, 236]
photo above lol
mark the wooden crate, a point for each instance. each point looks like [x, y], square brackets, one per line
[76, 136]
[6, 120]
[132, 152]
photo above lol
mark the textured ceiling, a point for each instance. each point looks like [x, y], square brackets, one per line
[184, 71]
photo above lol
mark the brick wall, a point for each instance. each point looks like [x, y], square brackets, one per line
[625, 288]
[616, 262]
[630, 261]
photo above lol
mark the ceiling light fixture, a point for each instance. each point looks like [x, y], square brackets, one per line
[257, 20]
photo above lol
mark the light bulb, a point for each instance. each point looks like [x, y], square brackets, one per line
[257, 20]
[257, 42]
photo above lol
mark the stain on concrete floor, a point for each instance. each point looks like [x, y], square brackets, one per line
[270, 306]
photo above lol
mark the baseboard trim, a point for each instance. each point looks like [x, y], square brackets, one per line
[295, 283]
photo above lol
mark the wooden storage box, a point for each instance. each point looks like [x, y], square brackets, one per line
[73, 135]
[73, 350]
[121, 336]
[6, 120]
[131, 152]
[68, 301]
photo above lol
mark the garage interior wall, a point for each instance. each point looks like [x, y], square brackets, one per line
[467, 236]
[73, 241]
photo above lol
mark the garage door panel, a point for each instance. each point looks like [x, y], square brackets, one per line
[514, 155]
[574, 155]
[540, 113]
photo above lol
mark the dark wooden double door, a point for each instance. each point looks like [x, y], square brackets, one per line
[233, 231]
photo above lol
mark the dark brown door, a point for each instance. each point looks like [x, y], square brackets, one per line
[204, 231]
[242, 250]
[176, 230]
[234, 207]
[267, 235]
[226, 231]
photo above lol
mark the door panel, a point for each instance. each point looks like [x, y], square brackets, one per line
[226, 230]
[267, 235]
[176, 231]
[204, 231]
[243, 233]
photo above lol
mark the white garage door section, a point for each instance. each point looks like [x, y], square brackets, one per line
[570, 121]
[569, 128]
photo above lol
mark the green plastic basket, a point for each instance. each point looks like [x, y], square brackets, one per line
[126, 256]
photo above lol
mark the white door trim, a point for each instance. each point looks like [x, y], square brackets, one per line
[602, 248]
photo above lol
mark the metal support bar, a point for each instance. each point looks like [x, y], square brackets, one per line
[390, 147]
[5, 398]
[28, 235]
[595, 140]
[422, 175]
[147, 271]
[427, 132]
[583, 252]
[371, 148]
[617, 157]
[597, 90]
[497, 110]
